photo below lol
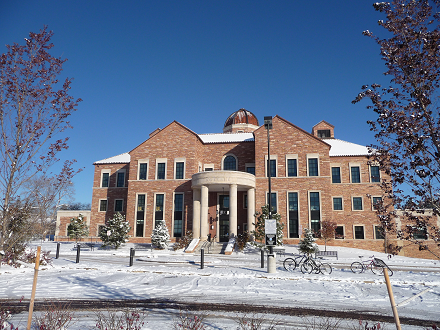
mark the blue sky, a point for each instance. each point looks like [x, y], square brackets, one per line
[139, 65]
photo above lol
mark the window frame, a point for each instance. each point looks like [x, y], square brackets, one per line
[309, 158]
[223, 162]
[371, 174]
[274, 193]
[353, 203]
[101, 200]
[208, 167]
[376, 229]
[174, 214]
[289, 220]
[352, 166]
[140, 162]
[155, 208]
[363, 231]
[373, 208]
[249, 165]
[290, 158]
[274, 159]
[340, 176]
[333, 203]
[310, 209]
[122, 206]
[137, 215]
[181, 160]
[108, 172]
[118, 172]
[161, 161]
[343, 232]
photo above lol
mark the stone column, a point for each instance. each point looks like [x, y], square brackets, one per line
[204, 213]
[196, 213]
[250, 209]
[233, 210]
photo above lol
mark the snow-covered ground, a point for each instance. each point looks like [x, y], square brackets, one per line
[237, 278]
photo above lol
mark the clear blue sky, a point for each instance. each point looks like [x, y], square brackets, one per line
[139, 65]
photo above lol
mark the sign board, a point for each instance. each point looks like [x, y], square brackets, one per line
[270, 228]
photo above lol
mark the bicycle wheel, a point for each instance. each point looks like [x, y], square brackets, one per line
[356, 267]
[289, 264]
[325, 269]
[316, 265]
[306, 267]
[376, 269]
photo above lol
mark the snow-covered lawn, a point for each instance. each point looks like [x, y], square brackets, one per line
[237, 278]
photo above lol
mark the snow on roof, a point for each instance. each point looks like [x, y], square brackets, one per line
[226, 137]
[122, 158]
[344, 148]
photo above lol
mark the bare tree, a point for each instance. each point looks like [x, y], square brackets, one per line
[407, 127]
[34, 110]
[327, 231]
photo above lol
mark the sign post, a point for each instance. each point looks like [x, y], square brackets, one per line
[270, 228]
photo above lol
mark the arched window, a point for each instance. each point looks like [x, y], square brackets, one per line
[229, 163]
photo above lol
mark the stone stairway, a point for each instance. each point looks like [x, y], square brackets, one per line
[212, 247]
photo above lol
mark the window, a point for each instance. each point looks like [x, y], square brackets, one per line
[315, 212]
[378, 232]
[119, 205]
[336, 175]
[178, 215]
[160, 171]
[337, 204]
[272, 168]
[273, 202]
[375, 173]
[293, 214]
[140, 215]
[359, 232]
[420, 233]
[120, 179]
[357, 204]
[355, 174]
[245, 201]
[158, 213]
[292, 169]
[230, 163]
[102, 205]
[313, 167]
[376, 201]
[180, 166]
[324, 133]
[105, 180]
[339, 232]
[250, 168]
[143, 167]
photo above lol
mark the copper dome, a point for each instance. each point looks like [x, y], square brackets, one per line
[243, 118]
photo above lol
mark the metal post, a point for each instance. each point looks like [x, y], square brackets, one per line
[131, 256]
[268, 125]
[202, 257]
[78, 250]
[262, 258]
[58, 251]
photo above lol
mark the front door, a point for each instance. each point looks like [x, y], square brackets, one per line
[224, 218]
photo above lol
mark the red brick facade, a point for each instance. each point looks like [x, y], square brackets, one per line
[312, 184]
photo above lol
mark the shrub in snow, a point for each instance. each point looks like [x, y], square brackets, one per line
[115, 232]
[57, 317]
[183, 242]
[14, 259]
[160, 236]
[129, 319]
[189, 321]
[242, 240]
[77, 228]
[308, 245]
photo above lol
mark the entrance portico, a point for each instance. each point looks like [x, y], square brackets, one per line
[221, 182]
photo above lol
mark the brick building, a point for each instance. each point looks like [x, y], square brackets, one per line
[212, 184]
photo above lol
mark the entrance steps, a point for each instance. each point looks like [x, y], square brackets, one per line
[212, 247]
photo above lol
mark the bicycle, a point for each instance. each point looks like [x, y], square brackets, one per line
[290, 264]
[376, 265]
[309, 265]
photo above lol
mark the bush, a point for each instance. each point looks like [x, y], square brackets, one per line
[189, 321]
[183, 242]
[58, 317]
[128, 319]
[115, 232]
[27, 255]
[160, 237]
[242, 239]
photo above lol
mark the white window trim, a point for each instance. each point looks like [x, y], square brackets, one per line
[99, 205]
[333, 205]
[372, 204]
[114, 204]
[309, 156]
[154, 207]
[116, 175]
[343, 228]
[299, 210]
[205, 166]
[309, 205]
[248, 165]
[292, 156]
[236, 161]
[102, 174]
[350, 165]
[135, 213]
[331, 172]
[161, 160]
[180, 160]
[272, 157]
[370, 178]
[143, 161]
[374, 233]
[172, 216]
[352, 204]
[354, 232]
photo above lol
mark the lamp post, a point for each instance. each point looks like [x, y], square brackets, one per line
[271, 261]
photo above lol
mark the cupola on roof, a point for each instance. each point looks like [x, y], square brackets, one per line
[241, 121]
